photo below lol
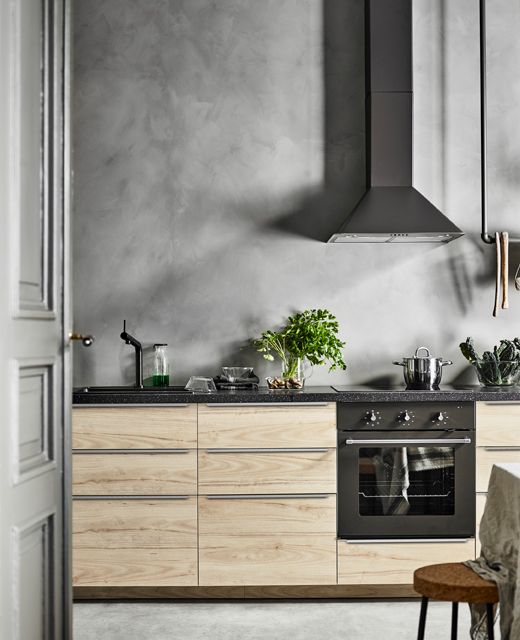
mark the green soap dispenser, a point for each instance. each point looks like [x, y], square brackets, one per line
[161, 368]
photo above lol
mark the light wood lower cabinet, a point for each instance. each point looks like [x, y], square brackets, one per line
[267, 471]
[253, 540]
[279, 560]
[135, 523]
[265, 516]
[395, 562]
[134, 567]
[498, 438]
[133, 542]
[498, 424]
[276, 425]
[171, 473]
[135, 427]
[487, 457]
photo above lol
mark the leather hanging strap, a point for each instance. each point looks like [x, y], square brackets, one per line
[504, 252]
[498, 275]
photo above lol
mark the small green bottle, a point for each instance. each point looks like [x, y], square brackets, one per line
[161, 369]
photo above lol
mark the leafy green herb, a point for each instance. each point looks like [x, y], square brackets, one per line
[310, 334]
[498, 367]
[468, 350]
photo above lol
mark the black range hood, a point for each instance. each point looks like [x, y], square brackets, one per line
[392, 210]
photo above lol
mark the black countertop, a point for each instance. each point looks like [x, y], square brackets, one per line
[310, 394]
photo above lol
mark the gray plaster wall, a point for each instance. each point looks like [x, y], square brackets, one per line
[218, 143]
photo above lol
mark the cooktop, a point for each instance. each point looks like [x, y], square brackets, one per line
[397, 387]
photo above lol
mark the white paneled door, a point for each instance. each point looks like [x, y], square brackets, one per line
[34, 308]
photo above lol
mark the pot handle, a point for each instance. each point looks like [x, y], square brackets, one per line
[399, 364]
[445, 362]
[420, 349]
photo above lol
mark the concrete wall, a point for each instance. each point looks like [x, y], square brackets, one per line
[217, 143]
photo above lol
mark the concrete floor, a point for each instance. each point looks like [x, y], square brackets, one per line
[263, 620]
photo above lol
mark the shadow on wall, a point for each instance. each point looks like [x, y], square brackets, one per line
[320, 214]
[207, 264]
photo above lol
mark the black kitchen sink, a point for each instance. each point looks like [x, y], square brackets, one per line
[131, 390]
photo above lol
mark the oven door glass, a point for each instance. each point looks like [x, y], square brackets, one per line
[406, 481]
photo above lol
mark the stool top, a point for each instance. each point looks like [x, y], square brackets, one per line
[454, 582]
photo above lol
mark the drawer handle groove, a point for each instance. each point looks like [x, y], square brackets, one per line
[501, 448]
[216, 405]
[97, 405]
[273, 496]
[129, 451]
[501, 404]
[119, 497]
[279, 450]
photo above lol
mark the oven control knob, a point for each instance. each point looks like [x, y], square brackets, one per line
[441, 417]
[406, 416]
[372, 416]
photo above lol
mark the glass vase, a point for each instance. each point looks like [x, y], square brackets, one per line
[293, 375]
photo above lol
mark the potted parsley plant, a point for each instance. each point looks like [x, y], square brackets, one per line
[309, 337]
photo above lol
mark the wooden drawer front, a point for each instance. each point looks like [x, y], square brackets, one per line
[487, 457]
[134, 567]
[394, 563]
[259, 516]
[246, 471]
[498, 424]
[135, 524]
[267, 426]
[134, 427]
[267, 560]
[134, 474]
[135, 542]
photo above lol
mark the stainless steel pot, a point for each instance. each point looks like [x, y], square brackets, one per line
[422, 372]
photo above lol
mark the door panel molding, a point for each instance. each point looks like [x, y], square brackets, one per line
[37, 442]
[34, 540]
[35, 125]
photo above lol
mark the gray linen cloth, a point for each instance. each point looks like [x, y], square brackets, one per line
[393, 469]
[500, 539]
[393, 480]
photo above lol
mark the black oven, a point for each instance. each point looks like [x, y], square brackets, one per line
[406, 470]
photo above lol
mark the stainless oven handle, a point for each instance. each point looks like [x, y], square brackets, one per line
[416, 441]
[390, 540]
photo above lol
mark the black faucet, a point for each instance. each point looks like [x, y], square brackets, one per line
[138, 355]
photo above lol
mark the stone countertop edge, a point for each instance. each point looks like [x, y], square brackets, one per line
[310, 394]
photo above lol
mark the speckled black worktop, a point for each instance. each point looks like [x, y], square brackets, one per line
[309, 394]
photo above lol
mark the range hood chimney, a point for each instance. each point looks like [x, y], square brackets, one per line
[391, 210]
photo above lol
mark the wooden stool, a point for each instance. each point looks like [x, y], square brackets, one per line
[454, 582]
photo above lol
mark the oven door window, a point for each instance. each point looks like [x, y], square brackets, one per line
[407, 481]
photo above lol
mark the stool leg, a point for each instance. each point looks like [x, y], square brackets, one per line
[490, 621]
[454, 619]
[422, 618]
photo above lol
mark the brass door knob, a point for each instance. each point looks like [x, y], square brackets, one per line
[86, 340]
